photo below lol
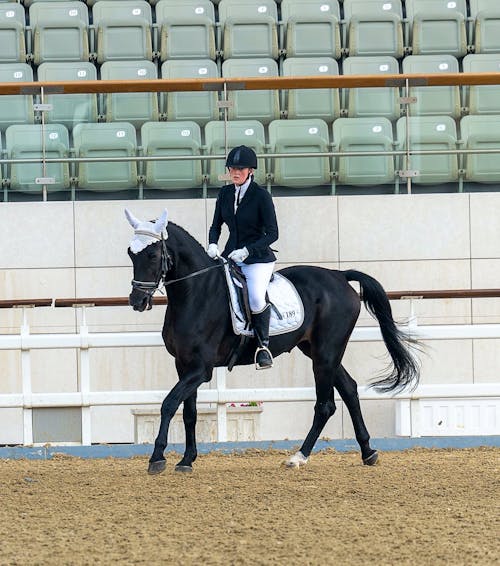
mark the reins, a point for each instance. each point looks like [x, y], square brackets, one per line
[194, 274]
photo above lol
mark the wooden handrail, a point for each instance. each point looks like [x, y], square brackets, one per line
[162, 300]
[250, 83]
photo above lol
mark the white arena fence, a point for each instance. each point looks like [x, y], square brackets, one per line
[478, 405]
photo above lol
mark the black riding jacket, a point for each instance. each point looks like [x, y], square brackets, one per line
[254, 225]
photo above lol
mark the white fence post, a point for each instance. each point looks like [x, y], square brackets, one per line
[26, 379]
[85, 380]
[221, 407]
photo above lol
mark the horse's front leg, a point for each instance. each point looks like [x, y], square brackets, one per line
[190, 452]
[182, 390]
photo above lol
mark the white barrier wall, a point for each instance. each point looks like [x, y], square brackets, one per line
[65, 249]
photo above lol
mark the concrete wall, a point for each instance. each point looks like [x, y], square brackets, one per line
[66, 249]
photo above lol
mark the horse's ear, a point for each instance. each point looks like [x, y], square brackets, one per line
[161, 223]
[132, 219]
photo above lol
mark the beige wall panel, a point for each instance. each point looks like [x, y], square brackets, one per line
[403, 227]
[10, 371]
[379, 417]
[486, 275]
[365, 360]
[487, 361]
[102, 233]
[485, 225]
[112, 425]
[39, 234]
[486, 311]
[447, 361]
[130, 369]
[54, 371]
[11, 426]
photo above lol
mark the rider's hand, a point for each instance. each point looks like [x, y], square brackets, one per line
[238, 256]
[213, 251]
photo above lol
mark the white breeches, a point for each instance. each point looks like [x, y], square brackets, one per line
[258, 276]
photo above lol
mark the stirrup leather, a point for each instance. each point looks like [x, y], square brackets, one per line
[263, 349]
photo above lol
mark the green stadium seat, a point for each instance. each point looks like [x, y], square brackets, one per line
[298, 136]
[198, 106]
[321, 103]
[69, 109]
[220, 137]
[262, 105]
[364, 134]
[486, 16]
[249, 28]
[433, 100]
[372, 101]
[437, 27]
[57, 24]
[123, 30]
[429, 133]
[16, 109]
[187, 29]
[481, 132]
[12, 25]
[171, 139]
[374, 27]
[482, 99]
[34, 141]
[133, 107]
[117, 139]
[311, 28]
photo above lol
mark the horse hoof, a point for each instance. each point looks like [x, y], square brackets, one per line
[157, 467]
[371, 460]
[296, 461]
[183, 469]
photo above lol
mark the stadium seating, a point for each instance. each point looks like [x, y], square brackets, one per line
[33, 140]
[311, 29]
[486, 16]
[429, 133]
[260, 105]
[437, 100]
[482, 99]
[437, 27]
[321, 103]
[249, 28]
[220, 137]
[15, 109]
[170, 139]
[381, 101]
[364, 134]
[374, 27]
[69, 109]
[298, 136]
[123, 30]
[116, 139]
[12, 41]
[198, 106]
[187, 29]
[57, 24]
[133, 107]
[478, 133]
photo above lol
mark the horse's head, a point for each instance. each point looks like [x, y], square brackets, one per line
[150, 258]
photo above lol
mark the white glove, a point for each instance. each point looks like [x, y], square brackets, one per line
[213, 251]
[238, 256]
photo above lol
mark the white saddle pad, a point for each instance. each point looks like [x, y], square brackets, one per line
[284, 297]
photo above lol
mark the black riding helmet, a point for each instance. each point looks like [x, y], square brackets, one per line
[242, 156]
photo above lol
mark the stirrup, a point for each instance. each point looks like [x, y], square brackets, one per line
[263, 349]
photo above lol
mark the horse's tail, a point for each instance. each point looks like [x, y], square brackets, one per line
[405, 369]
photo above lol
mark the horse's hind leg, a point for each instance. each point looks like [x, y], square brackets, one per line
[190, 453]
[323, 410]
[348, 390]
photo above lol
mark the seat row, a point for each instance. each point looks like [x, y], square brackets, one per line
[350, 142]
[263, 105]
[189, 29]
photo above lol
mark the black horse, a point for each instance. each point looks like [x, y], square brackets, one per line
[198, 332]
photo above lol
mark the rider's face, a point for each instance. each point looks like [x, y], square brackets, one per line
[239, 174]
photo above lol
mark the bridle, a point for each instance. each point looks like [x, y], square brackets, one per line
[149, 287]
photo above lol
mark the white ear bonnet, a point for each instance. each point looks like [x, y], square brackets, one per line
[147, 233]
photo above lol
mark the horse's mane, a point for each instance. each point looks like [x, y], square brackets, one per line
[183, 235]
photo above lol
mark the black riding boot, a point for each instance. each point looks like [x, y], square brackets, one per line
[260, 323]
